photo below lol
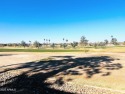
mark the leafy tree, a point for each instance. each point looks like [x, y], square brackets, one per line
[106, 41]
[95, 45]
[1, 45]
[74, 44]
[114, 40]
[64, 45]
[61, 45]
[53, 45]
[124, 43]
[23, 43]
[36, 44]
[83, 41]
[102, 44]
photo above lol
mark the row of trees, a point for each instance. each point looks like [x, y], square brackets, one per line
[84, 42]
[38, 45]
[47, 43]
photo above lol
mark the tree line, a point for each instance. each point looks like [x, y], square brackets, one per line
[84, 42]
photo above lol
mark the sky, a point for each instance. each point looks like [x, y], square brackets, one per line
[37, 20]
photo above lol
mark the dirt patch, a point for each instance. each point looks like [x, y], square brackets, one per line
[64, 73]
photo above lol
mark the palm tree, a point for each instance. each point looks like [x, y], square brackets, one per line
[63, 40]
[49, 41]
[29, 43]
[67, 40]
[44, 42]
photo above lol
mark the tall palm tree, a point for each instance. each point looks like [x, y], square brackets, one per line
[67, 40]
[29, 43]
[49, 41]
[46, 41]
[111, 36]
[63, 39]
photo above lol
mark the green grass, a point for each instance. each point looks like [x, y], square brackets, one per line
[86, 49]
[39, 50]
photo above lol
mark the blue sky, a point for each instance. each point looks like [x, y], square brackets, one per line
[58, 19]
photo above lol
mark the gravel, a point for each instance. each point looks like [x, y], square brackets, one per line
[8, 77]
[84, 89]
[71, 87]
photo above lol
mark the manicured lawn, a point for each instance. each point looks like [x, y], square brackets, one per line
[117, 49]
[38, 50]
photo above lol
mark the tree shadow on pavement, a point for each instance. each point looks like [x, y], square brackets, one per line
[33, 80]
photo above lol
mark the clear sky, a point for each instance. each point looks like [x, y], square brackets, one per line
[57, 19]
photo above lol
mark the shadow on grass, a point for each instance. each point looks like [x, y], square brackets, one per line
[6, 54]
[42, 70]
